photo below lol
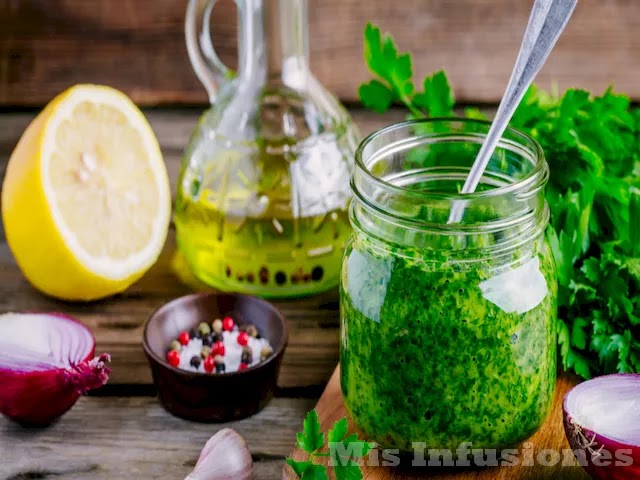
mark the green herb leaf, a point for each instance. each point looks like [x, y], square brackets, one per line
[349, 471]
[345, 450]
[437, 98]
[298, 467]
[578, 335]
[634, 221]
[315, 472]
[375, 96]
[311, 439]
[338, 432]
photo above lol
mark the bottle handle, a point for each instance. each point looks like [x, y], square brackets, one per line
[204, 59]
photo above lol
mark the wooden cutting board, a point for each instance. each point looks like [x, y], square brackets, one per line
[331, 407]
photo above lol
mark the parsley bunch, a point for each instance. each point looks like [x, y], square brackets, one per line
[344, 451]
[592, 145]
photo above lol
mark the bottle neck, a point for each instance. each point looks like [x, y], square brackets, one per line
[273, 42]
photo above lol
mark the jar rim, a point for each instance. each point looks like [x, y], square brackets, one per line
[538, 173]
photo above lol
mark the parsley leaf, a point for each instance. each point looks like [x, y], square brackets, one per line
[311, 439]
[298, 467]
[315, 472]
[376, 96]
[437, 98]
[344, 451]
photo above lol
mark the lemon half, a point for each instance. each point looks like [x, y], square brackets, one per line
[86, 201]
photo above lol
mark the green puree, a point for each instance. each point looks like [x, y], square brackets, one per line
[426, 357]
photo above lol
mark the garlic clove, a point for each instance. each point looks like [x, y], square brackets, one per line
[224, 457]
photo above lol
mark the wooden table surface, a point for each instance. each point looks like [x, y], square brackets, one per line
[121, 431]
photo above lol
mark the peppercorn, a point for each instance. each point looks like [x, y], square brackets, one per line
[252, 331]
[209, 364]
[243, 366]
[228, 324]
[195, 361]
[265, 352]
[217, 349]
[204, 329]
[217, 337]
[217, 325]
[218, 360]
[247, 355]
[175, 345]
[208, 340]
[184, 338]
[243, 338]
[173, 357]
[193, 333]
[317, 274]
[264, 275]
[205, 352]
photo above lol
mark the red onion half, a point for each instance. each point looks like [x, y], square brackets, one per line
[46, 363]
[602, 423]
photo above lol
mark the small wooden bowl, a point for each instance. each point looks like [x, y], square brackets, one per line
[204, 397]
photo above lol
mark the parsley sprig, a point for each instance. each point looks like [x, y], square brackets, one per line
[344, 450]
[592, 144]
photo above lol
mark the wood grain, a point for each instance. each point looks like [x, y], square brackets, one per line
[331, 407]
[117, 322]
[138, 46]
[134, 438]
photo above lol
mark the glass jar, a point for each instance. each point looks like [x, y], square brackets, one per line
[448, 330]
[263, 193]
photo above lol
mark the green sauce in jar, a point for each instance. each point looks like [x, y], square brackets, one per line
[448, 331]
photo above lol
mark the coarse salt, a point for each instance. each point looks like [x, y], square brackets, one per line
[232, 354]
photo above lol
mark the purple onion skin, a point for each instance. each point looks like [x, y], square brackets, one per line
[35, 398]
[39, 398]
[582, 439]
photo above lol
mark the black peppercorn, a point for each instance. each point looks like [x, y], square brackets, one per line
[219, 363]
[281, 278]
[217, 337]
[208, 340]
[195, 361]
[247, 355]
[317, 273]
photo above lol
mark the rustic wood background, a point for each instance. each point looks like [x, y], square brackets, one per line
[138, 46]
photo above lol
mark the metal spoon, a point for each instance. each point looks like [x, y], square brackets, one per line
[546, 23]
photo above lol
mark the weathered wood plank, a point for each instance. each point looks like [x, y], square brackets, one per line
[551, 436]
[126, 438]
[117, 322]
[45, 46]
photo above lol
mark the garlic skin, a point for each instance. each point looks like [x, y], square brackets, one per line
[224, 457]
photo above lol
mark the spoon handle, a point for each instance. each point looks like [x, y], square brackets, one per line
[546, 23]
